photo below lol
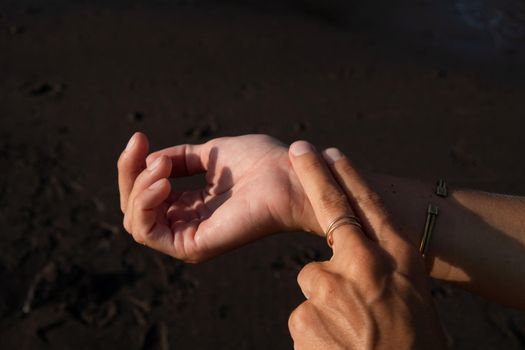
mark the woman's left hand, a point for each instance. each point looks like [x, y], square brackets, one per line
[374, 292]
[250, 193]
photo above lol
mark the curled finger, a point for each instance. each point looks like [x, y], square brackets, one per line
[148, 211]
[158, 170]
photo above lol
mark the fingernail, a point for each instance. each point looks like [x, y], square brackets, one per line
[131, 142]
[155, 164]
[299, 148]
[332, 155]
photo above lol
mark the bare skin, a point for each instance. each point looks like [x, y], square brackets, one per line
[373, 293]
[252, 191]
[479, 239]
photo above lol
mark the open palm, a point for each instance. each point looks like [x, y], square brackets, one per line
[250, 192]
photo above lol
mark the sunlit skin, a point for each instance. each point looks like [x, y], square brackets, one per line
[252, 191]
[361, 298]
[373, 293]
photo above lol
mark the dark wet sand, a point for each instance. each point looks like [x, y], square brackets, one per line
[414, 91]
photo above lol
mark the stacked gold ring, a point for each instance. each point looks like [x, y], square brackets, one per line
[338, 222]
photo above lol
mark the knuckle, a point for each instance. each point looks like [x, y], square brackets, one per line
[301, 318]
[308, 272]
[369, 198]
[126, 224]
[333, 200]
[151, 158]
[192, 252]
[327, 281]
[136, 236]
[320, 282]
[328, 285]
[138, 184]
[362, 256]
[196, 252]
[383, 222]
[264, 138]
[194, 258]
[139, 201]
[312, 165]
[346, 166]
[369, 265]
[140, 237]
[121, 162]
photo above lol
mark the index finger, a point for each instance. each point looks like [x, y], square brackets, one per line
[364, 199]
[186, 159]
[326, 197]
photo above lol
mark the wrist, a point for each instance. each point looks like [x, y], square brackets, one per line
[302, 216]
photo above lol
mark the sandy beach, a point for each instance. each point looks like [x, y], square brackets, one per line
[417, 90]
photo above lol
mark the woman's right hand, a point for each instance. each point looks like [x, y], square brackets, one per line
[374, 292]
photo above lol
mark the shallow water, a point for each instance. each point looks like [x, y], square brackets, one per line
[504, 20]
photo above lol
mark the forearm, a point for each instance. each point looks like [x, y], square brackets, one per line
[478, 241]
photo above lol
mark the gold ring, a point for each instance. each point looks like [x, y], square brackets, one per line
[338, 222]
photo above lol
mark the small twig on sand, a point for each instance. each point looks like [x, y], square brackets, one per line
[156, 337]
[47, 273]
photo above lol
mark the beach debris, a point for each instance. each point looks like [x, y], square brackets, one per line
[14, 30]
[142, 305]
[99, 315]
[303, 255]
[141, 310]
[203, 131]
[47, 274]
[43, 331]
[47, 89]
[109, 229]
[136, 116]
[300, 126]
